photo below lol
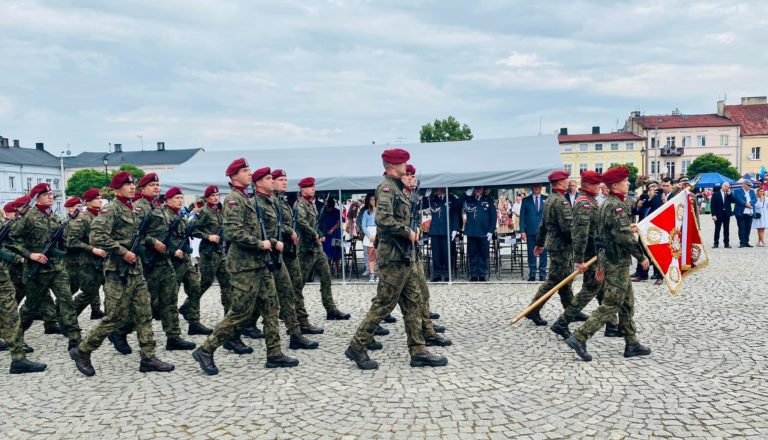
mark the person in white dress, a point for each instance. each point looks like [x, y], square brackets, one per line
[761, 211]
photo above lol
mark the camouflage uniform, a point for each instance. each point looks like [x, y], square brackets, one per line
[252, 284]
[311, 255]
[10, 330]
[127, 304]
[83, 266]
[161, 276]
[616, 245]
[31, 235]
[398, 280]
[291, 261]
[187, 273]
[555, 235]
[427, 327]
[213, 260]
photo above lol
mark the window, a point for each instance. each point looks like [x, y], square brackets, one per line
[684, 166]
[599, 167]
[568, 167]
[39, 180]
[686, 141]
[12, 182]
[671, 170]
[670, 141]
[29, 183]
[583, 167]
[615, 146]
[653, 142]
[583, 147]
[568, 148]
[654, 167]
[630, 146]
[47, 180]
[723, 140]
[55, 183]
[754, 155]
[701, 141]
[598, 147]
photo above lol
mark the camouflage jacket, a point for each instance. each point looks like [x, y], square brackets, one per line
[113, 230]
[210, 222]
[241, 224]
[584, 229]
[7, 256]
[160, 220]
[555, 229]
[269, 214]
[615, 240]
[31, 233]
[143, 207]
[288, 231]
[393, 220]
[307, 225]
[76, 238]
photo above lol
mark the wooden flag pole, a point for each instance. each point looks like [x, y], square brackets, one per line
[552, 291]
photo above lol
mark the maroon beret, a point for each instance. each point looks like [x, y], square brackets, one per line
[395, 156]
[91, 194]
[213, 189]
[307, 182]
[172, 192]
[72, 201]
[40, 188]
[260, 174]
[410, 169]
[591, 177]
[147, 179]
[278, 173]
[10, 207]
[21, 201]
[558, 175]
[615, 175]
[120, 179]
[236, 166]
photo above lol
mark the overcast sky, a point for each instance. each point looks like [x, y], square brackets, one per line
[223, 74]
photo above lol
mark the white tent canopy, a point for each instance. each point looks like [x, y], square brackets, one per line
[491, 162]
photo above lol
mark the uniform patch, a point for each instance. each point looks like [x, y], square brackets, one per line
[619, 210]
[232, 202]
[585, 206]
[565, 202]
[385, 189]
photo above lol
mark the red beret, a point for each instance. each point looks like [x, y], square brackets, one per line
[172, 192]
[72, 201]
[615, 175]
[558, 175]
[91, 194]
[236, 166]
[395, 156]
[260, 174]
[591, 177]
[307, 182]
[147, 179]
[21, 201]
[278, 173]
[40, 188]
[213, 189]
[120, 179]
[10, 207]
[410, 169]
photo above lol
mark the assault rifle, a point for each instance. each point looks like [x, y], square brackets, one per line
[140, 235]
[290, 247]
[49, 249]
[5, 232]
[184, 243]
[274, 259]
[415, 223]
[166, 237]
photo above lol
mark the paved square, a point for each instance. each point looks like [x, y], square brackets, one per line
[707, 376]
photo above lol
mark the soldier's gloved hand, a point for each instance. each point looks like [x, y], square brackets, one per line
[645, 264]
[179, 254]
[279, 246]
[489, 236]
[159, 246]
[538, 251]
[40, 258]
[130, 257]
[454, 234]
[214, 238]
[266, 245]
[99, 252]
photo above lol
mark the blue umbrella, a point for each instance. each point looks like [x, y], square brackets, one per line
[709, 180]
[762, 172]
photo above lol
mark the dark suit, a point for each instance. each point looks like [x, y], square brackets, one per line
[720, 205]
[572, 198]
[530, 219]
[439, 234]
[743, 221]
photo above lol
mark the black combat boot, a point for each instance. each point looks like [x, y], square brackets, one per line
[53, 328]
[389, 319]
[205, 360]
[434, 315]
[281, 361]
[536, 318]
[612, 331]
[579, 347]
[176, 343]
[636, 349]
[195, 328]
[427, 359]
[96, 313]
[152, 363]
[72, 343]
[299, 342]
[560, 327]
[253, 333]
[184, 312]
[120, 342]
[3, 345]
[309, 329]
[380, 331]
[21, 366]
[360, 357]
[439, 328]
[82, 361]
[375, 345]
[581, 317]
[237, 346]
[28, 349]
[337, 315]
[437, 341]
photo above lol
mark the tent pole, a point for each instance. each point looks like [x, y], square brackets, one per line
[341, 223]
[449, 242]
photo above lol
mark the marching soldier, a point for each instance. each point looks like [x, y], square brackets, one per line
[479, 228]
[555, 235]
[583, 232]
[311, 253]
[125, 289]
[398, 276]
[616, 243]
[252, 283]
[28, 239]
[85, 260]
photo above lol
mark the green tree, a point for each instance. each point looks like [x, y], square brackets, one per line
[712, 163]
[633, 171]
[83, 180]
[445, 130]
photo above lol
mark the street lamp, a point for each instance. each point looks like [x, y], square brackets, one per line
[63, 180]
[106, 174]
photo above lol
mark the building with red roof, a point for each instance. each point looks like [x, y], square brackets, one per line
[752, 116]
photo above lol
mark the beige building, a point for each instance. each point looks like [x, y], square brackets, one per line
[752, 116]
[599, 151]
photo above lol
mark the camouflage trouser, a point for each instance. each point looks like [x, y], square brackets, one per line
[188, 275]
[294, 271]
[285, 295]
[398, 284]
[16, 271]
[252, 288]
[317, 262]
[126, 305]
[617, 298]
[214, 264]
[590, 289]
[10, 329]
[427, 327]
[38, 303]
[164, 292]
[560, 267]
[91, 280]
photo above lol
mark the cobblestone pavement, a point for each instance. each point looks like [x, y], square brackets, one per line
[707, 376]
